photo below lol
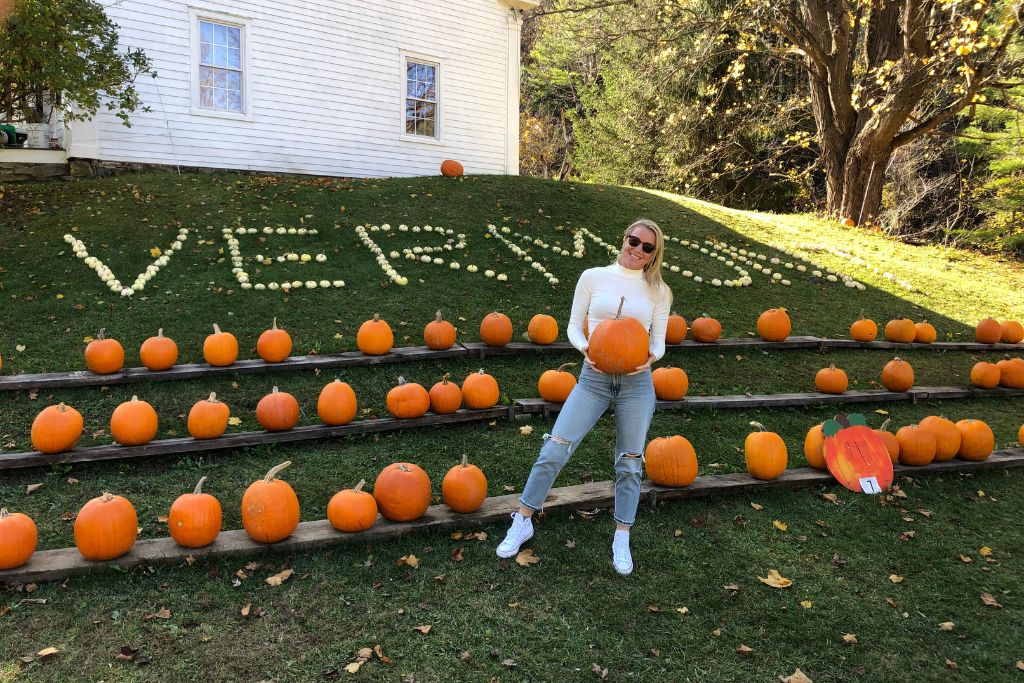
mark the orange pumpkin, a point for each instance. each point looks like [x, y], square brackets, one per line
[106, 527]
[337, 404]
[924, 333]
[556, 385]
[901, 330]
[814, 446]
[480, 390]
[1020, 435]
[277, 411]
[706, 329]
[18, 539]
[133, 423]
[195, 518]
[976, 440]
[947, 436]
[985, 375]
[208, 419]
[270, 508]
[220, 349]
[864, 329]
[892, 444]
[402, 492]
[1011, 373]
[831, 380]
[159, 352]
[898, 375]
[917, 445]
[765, 453]
[464, 488]
[1013, 332]
[439, 334]
[774, 325]
[445, 396]
[56, 429]
[408, 400]
[988, 331]
[675, 331]
[374, 337]
[274, 345]
[451, 168]
[543, 329]
[496, 329]
[352, 509]
[104, 356]
[670, 384]
[619, 345]
[671, 461]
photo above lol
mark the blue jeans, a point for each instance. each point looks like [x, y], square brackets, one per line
[633, 398]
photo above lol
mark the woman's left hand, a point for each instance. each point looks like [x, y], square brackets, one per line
[643, 368]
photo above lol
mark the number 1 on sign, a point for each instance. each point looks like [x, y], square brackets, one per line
[869, 485]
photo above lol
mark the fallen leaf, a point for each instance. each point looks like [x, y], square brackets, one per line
[653, 608]
[985, 551]
[354, 666]
[234, 421]
[32, 488]
[424, 629]
[457, 536]
[731, 587]
[464, 656]
[655, 652]
[478, 536]
[526, 430]
[570, 544]
[162, 519]
[806, 604]
[925, 513]
[408, 561]
[775, 580]
[601, 673]
[47, 652]
[757, 506]
[717, 633]
[797, 676]
[526, 557]
[364, 654]
[950, 664]
[162, 613]
[677, 533]
[890, 602]
[245, 610]
[279, 578]
[899, 493]
[832, 498]
[506, 487]
[946, 626]
[457, 554]
[895, 578]
[509, 663]
[966, 558]
[515, 605]
[126, 654]
[907, 535]
[72, 480]
[19, 348]
[882, 412]
[780, 525]
[1020, 664]
[850, 638]
[990, 600]
[744, 650]
[683, 610]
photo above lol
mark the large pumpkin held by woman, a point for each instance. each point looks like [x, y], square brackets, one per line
[194, 520]
[619, 345]
[270, 508]
[402, 492]
[104, 356]
[106, 527]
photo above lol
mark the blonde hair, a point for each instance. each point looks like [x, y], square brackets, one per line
[652, 271]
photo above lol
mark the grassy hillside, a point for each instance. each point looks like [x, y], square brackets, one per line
[559, 618]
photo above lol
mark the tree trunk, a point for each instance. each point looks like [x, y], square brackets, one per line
[863, 178]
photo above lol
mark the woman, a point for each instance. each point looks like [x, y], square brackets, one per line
[635, 275]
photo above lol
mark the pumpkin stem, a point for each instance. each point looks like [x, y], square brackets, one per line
[437, 317]
[274, 471]
[213, 397]
[481, 372]
[274, 390]
[4, 513]
[465, 460]
[843, 420]
[563, 366]
[359, 487]
[274, 324]
[107, 496]
[160, 332]
[618, 313]
[102, 333]
[199, 486]
[134, 398]
[885, 424]
[376, 317]
[216, 328]
[401, 380]
[444, 380]
[62, 407]
[759, 426]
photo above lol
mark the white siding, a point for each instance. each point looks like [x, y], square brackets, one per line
[326, 87]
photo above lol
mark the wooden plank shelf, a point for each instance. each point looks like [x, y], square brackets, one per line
[59, 564]
[347, 359]
[522, 406]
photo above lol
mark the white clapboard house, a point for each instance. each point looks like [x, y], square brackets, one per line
[329, 87]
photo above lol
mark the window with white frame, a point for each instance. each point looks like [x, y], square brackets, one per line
[220, 67]
[421, 98]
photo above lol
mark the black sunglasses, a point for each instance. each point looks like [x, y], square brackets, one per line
[636, 242]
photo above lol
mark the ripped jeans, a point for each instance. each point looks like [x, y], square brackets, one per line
[633, 398]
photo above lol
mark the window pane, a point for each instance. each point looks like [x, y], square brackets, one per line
[234, 35]
[234, 100]
[218, 34]
[235, 58]
[220, 79]
[220, 55]
[206, 98]
[205, 77]
[220, 98]
[205, 53]
[206, 31]
[233, 81]
[428, 127]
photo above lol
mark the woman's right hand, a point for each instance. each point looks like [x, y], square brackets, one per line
[586, 357]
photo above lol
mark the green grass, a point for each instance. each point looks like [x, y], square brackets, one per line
[571, 611]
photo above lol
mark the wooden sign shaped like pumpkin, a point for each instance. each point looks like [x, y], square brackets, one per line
[274, 345]
[194, 520]
[375, 337]
[496, 329]
[270, 508]
[556, 385]
[352, 510]
[671, 461]
[408, 400]
[464, 488]
[56, 429]
[104, 356]
[18, 538]
[402, 492]
[106, 527]
[765, 453]
[439, 334]
[220, 349]
[445, 396]
[480, 391]
[543, 329]
[618, 346]
[208, 419]
[337, 404]
[278, 411]
[159, 352]
[856, 455]
[133, 423]
[774, 325]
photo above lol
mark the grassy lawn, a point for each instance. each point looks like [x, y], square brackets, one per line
[569, 617]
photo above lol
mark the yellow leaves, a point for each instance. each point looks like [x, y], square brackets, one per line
[279, 578]
[47, 652]
[780, 525]
[408, 561]
[947, 626]
[775, 580]
[526, 430]
[155, 252]
[850, 638]
[21, 347]
[806, 604]
[526, 557]
[234, 421]
[59, 296]
[895, 578]
[985, 551]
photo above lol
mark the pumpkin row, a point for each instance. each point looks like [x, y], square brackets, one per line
[107, 526]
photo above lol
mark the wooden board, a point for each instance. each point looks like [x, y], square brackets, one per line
[56, 565]
[82, 378]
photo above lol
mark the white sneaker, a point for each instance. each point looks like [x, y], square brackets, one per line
[622, 559]
[519, 533]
